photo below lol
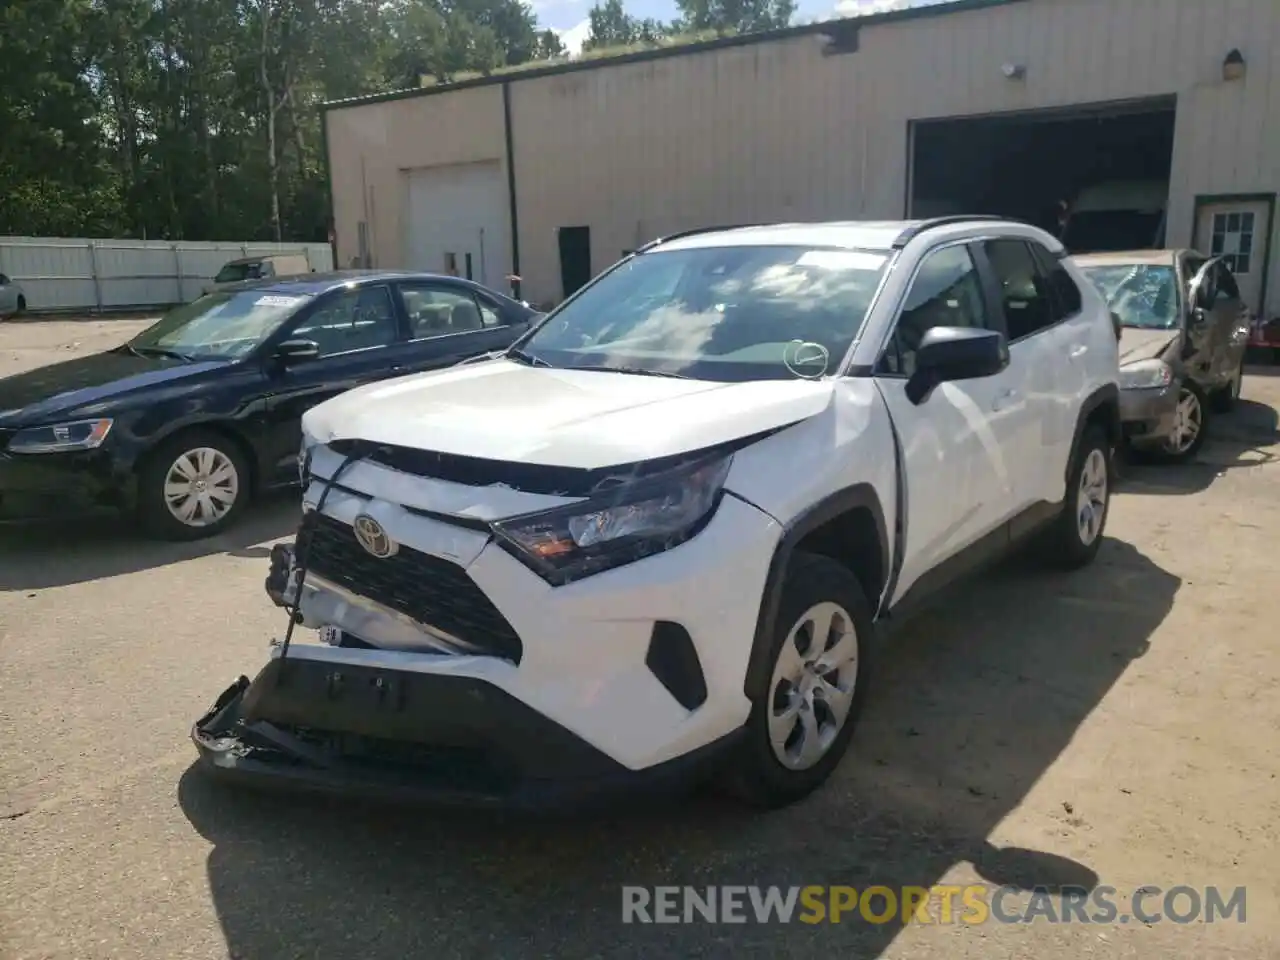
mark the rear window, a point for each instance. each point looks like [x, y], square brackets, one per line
[236, 272]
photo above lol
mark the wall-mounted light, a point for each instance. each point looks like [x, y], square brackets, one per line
[1233, 66]
[1014, 71]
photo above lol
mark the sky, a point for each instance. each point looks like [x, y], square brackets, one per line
[569, 17]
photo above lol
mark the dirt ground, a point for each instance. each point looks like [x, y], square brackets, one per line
[1120, 726]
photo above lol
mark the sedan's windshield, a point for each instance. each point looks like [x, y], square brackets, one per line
[219, 325]
[718, 313]
[1142, 295]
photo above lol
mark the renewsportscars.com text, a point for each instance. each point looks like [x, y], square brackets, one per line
[972, 904]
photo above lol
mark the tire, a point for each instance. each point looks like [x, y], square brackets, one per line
[816, 588]
[204, 451]
[1173, 450]
[1224, 400]
[1071, 543]
[21, 308]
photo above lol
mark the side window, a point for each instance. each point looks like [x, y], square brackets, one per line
[1024, 290]
[1227, 286]
[435, 311]
[4, 281]
[489, 314]
[353, 320]
[946, 292]
[1067, 300]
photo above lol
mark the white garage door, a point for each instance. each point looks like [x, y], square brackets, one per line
[458, 222]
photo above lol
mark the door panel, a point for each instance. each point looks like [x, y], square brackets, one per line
[1232, 320]
[957, 445]
[1033, 302]
[959, 478]
[361, 341]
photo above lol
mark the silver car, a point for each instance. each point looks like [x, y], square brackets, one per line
[1184, 330]
[12, 300]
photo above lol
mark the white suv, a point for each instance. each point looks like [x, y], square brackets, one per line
[658, 534]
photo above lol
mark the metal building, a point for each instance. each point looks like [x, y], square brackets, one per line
[1014, 107]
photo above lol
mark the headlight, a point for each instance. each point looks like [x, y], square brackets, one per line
[1145, 375]
[61, 437]
[617, 527]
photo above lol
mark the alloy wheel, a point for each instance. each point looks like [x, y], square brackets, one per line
[201, 487]
[1188, 422]
[813, 685]
[1091, 501]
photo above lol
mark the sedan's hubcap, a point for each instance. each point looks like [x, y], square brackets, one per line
[1187, 423]
[201, 487]
[813, 685]
[1091, 503]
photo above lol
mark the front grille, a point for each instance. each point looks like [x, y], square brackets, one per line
[430, 590]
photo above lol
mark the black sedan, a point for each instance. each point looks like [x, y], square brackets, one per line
[188, 420]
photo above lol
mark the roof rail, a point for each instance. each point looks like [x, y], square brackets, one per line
[695, 232]
[909, 234]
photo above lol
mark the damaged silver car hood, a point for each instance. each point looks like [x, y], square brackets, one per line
[1137, 343]
[503, 410]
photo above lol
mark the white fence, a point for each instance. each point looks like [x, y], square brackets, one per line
[90, 275]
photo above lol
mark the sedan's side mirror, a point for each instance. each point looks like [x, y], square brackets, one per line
[956, 353]
[291, 352]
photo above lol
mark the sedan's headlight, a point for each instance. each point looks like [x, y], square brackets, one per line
[1145, 375]
[61, 437]
[622, 525]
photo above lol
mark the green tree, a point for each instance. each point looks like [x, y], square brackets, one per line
[612, 26]
[735, 16]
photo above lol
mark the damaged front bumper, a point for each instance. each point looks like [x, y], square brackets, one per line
[399, 735]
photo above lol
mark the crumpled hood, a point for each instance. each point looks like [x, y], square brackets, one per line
[503, 410]
[42, 395]
[1138, 344]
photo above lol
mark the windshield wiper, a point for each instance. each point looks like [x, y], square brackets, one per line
[528, 359]
[160, 352]
[639, 371]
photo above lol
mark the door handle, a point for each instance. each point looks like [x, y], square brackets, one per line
[1004, 399]
[1078, 351]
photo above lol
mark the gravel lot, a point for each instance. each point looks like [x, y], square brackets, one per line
[1119, 726]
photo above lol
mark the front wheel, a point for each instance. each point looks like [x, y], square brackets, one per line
[801, 724]
[192, 486]
[1190, 428]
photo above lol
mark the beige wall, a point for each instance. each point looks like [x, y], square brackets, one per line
[778, 131]
[374, 145]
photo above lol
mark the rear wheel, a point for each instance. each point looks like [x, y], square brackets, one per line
[801, 724]
[22, 307]
[193, 486]
[1076, 536]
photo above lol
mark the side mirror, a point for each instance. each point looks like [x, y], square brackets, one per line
[956, 353]
[291, 352]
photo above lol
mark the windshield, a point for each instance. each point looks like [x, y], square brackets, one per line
[1141, 295]
[220, 325]
[235, 272]
[721, 313]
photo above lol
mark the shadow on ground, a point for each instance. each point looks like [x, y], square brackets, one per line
[1245, 437]
[970, 706]
[35, 558]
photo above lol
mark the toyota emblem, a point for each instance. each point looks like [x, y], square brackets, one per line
[373, 538]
